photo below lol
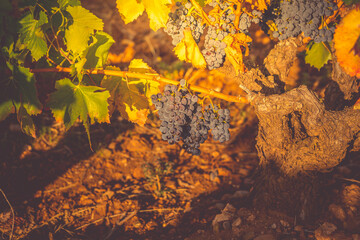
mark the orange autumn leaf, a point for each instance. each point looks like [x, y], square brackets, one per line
[345, 38]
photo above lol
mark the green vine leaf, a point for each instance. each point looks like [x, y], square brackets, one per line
[97, 53]
[126, 98]
[32, 35]
[64, 3]
[26, 123]
[78, 33]
[25, 84]
[70, 102]
[18, 91]
[6, 107]
[317, 54]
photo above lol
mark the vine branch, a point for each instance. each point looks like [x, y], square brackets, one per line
[153, 77]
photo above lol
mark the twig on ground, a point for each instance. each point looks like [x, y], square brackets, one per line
[131, 214]
[13, 214]
[61, 188]
[350, 180]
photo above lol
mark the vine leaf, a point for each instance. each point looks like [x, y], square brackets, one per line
[20, 94]
[235, 44]
[126, 98]
[145, 86]
[6, 107]
[70, 102]
[26, 123]
[78, 33]
[317, 54]
[346, 43]
[187, 50]
[32, 36]
[129, 9]
[96, 54]
[25, 84]
[157, 11]
[64, 3]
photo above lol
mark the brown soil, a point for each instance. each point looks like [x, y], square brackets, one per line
[135, 186]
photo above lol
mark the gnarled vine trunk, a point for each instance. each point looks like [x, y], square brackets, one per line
[299, 137]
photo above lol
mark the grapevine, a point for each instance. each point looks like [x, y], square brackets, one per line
[305, 127]
[205, 38]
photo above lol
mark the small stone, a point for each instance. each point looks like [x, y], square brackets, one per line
[213, 175]
[112, 146]
[324, 231]
[226, 197]
[273, 226]
[138, 173]
[220, 206]
[248, 236]
[105, 153]
[215, 154]
[284, 223]
[229, 208]
[224, 172]
[251, 218]
[265, 237]
[240, 194]
[227, 214]
[237, 222]
[338, 212]
[243, 172]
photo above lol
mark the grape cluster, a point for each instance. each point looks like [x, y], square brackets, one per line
[304, 16]
[218, 121]
[179, 20]
[182, 118]
[214, 51]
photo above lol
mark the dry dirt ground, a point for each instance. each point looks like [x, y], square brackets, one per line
[134, 185]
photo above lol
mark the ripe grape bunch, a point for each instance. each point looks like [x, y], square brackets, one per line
[179, 20]
[182, 118]
[221, 24]
[305, 16]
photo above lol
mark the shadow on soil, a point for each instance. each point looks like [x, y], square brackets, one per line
[22, 176]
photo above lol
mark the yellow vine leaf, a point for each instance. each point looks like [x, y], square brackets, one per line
[147, 87]
[135, 115]
[346, 35]
[127, 97]
[235, 43]
[187, 50]
[157, 11]
[129, 9]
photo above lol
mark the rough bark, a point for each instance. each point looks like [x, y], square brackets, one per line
[299, 137]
